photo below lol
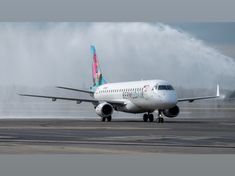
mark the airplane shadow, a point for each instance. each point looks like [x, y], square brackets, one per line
[165, 122]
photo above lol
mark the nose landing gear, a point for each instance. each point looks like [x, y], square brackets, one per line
[160, 117]
[109, 119]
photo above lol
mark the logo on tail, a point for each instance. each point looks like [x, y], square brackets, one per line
[96, 71]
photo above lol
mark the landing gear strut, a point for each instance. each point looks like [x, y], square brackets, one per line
[160, 117]
[147, 117]
[109, 119]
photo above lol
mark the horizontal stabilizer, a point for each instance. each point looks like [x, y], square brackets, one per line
[78, 90]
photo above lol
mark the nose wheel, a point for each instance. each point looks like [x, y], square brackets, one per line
[148, 117]
[109, 119]
[160, 118]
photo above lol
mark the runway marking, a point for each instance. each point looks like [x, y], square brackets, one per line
[187, 138]
[126, 138]
[7, 137]
[118, 143]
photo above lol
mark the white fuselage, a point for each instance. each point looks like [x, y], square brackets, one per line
[138, 96]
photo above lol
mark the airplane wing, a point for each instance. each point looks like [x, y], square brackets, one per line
[78, 100]
[54, 98]
[196, 98]
[201, 98]
[78, 90]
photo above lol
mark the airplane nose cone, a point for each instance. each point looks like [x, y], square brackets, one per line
[169, 99]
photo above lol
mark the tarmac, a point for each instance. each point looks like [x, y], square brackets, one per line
[195, 131]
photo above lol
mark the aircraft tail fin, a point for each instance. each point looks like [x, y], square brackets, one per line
[97, 76]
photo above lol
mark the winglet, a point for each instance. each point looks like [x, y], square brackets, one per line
[217, 91]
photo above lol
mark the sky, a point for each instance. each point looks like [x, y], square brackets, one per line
[220, 35]
[191, 55]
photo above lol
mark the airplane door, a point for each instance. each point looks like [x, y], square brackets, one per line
[146, 91]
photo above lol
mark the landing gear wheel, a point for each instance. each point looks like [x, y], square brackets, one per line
[151, 118]
[145, 117]
[109, 118]
[160, 120]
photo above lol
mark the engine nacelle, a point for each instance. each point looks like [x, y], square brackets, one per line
[104, 109]
[172, 112]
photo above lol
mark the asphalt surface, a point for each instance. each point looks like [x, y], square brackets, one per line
[196, 130]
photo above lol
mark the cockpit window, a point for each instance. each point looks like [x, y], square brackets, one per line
[169, 87]
[164, 87]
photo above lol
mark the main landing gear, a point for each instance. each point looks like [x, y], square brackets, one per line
[148, 117]
[108, 119]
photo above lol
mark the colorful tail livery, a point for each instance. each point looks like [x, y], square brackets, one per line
[96, 71]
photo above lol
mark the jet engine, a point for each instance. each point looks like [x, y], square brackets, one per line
[172, 112]
[104, 109]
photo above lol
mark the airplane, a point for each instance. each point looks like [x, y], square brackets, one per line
[145, 96]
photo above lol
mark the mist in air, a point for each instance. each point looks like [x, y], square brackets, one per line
[52, 54]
